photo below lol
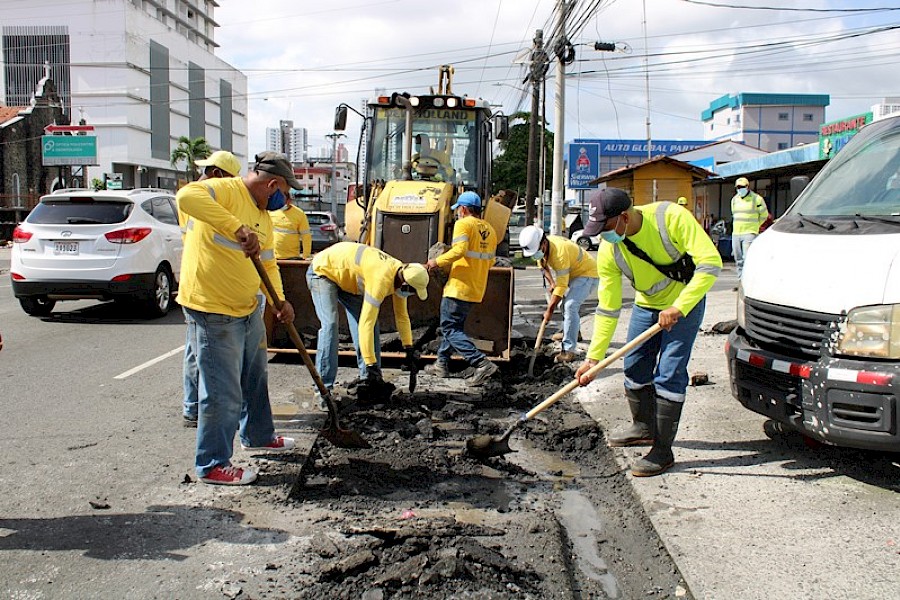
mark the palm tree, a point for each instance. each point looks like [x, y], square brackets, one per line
[189, 150]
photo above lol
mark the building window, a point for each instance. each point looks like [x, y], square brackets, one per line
[783, 116]
[728, 121]
[808, 117]
[782, 145]
[737, 118]
[711, 125]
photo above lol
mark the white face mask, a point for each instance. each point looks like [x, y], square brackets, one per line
[743, 191]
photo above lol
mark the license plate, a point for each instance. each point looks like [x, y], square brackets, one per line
[65, 248]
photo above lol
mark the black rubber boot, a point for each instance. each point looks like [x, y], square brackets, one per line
[660, 458]
[642, 403]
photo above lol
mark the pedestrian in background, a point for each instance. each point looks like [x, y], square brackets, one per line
[671, 264]
[748, 209]
[217, 165]
[360, 278]
[291, 230]
[575, 279]
[220, 294]
[470, 257]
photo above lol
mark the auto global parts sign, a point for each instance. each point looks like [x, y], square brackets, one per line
[833, 135]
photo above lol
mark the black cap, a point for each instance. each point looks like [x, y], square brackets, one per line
[277, 164]
[605, 204]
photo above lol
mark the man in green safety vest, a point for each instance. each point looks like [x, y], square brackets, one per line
[748, 209]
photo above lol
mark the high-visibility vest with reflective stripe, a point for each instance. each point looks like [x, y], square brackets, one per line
[216, 277]
[568, 261]
[749, 213]
[470, 257]
[291, 228]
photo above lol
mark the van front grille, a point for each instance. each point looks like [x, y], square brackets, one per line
[795, 332]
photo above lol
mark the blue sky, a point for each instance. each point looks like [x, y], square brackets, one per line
[304, 58]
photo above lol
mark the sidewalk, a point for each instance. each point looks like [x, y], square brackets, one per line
[748, 517]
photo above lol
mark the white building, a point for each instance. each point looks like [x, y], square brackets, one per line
[289, 140]
[142, 72]
[888, 107]
[769, 122]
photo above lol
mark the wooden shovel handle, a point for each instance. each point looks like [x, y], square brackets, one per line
[649, 333]
[292, 331]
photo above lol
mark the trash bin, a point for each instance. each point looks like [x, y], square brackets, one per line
[724, 246]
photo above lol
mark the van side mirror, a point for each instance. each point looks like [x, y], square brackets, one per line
[340, 118]
[501, 127]
[798, 184]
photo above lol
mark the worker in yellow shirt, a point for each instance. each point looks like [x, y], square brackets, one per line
[217, 165]
[470, 257]
[749, 212]
[575, 279]
[220, 294]
[671, 263]
[291, 229]
[360, 278]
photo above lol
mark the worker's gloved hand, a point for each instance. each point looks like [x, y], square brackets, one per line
[412, 358]
[373, 374]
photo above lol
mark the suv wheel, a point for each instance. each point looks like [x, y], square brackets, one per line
[585, 242]
[159, 298]
[37, 306]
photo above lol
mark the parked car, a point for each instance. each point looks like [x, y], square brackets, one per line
[516, 225]
[586, 242]
[324, 228]
[122, 245]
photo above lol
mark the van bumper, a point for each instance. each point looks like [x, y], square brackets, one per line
[838, 401]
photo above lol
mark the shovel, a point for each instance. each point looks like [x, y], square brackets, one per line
[342, 438]
[486, 446]
[537, 346]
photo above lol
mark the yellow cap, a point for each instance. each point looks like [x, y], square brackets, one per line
[682, 201]
[224, 160]
[742, 182]
[417, 276]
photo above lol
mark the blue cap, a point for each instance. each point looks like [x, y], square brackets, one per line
[467, 199]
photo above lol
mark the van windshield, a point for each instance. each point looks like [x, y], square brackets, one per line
[862, 180]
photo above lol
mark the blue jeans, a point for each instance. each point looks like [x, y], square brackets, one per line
[579, 289]
[233, 386]
[189, 409]
[326, 295]
[739, 246]
[663, 359]
[453, 322]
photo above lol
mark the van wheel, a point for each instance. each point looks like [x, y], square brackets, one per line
[159, 298]
[37, 306]
[585, 242]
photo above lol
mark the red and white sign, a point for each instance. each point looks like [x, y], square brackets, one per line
[69, 128]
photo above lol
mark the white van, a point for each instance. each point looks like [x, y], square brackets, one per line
[817, 346]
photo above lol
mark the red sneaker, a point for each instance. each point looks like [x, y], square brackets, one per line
[229, 475]
[279, 444]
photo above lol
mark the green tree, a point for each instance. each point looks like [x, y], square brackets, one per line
[511, 165]
[189, 150]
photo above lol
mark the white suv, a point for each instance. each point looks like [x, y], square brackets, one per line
[109, 245]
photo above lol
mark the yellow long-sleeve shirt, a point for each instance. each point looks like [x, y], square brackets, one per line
[667, 231]
[749, 213]
[470, 257]
[568, 261]
[216, 277]
[291, 228]
[368, 272]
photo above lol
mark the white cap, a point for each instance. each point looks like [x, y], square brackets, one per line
[530, 239]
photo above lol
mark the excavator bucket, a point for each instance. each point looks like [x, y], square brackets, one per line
[489, 324]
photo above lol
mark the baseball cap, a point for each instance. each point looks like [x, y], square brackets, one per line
[222, 159]
[467, 199]
[417, 276]
[605, 204]
[277, 164]
[741, 182]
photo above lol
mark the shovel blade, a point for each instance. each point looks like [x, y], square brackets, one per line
[486, 446]
[344, 438]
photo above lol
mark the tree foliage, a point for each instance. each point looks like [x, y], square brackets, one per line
[190, 150]
[511, 165]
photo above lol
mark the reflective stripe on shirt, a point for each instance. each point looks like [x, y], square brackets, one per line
[480, 255]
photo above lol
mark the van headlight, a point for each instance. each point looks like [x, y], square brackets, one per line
[871, 331]
[741, 317]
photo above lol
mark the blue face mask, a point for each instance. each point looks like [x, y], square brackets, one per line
[742, 191]
[276, 201]
[404, 293]
[611, 236]
[538, 255]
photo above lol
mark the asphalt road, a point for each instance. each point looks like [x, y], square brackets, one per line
[93, 502]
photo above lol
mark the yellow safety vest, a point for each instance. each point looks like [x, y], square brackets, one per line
[749, 213]
[470, 257]
[568, 261]
[291, 227]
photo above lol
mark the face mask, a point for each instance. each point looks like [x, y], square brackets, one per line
[612, 236]
[743, 192]
[538, 255]
[405, 291]
[276, 201]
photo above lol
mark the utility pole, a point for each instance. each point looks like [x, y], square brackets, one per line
[334, 138]
[538, 71]
[558, 197]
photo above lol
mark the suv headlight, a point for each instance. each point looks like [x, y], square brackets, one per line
[871, 331]
[741, 317]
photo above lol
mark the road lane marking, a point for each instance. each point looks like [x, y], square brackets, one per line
[150, 363]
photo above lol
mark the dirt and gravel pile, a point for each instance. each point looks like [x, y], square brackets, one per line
[415, 517]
